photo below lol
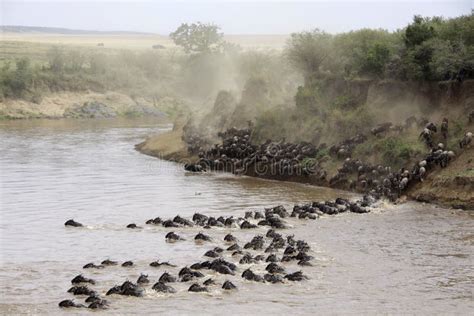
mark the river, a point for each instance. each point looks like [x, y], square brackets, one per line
[405, 259]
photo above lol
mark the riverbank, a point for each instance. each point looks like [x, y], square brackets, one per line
[168, 146]
[87, 170]
[452, 186]
[87, 105]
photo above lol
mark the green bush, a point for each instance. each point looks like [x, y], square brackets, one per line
[351, 122]
[427, 49]
[366, 52]
[322, 154]
[394, 151]
[419, 31]
[17, 82]
[308, 50]
[343, 102]
[306, 99]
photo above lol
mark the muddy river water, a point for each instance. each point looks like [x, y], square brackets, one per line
[410, 258]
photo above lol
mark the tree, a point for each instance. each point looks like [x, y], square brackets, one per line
[365, 52]
[419, 31]
[458, 29]
[198, 37]
[449, 59]
[418, 52]
[308, 50]
[376, 59]
[438, 49]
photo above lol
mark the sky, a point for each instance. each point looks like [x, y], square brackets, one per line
[234, 17]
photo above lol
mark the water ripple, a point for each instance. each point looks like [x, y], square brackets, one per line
[388, 261]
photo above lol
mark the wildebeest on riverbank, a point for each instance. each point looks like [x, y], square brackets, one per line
[282, 160]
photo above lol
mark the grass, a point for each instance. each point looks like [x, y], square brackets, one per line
[142, 41]
[48, 69]
[394, 150]
[122, 41]
[126, 64]
[11, 50]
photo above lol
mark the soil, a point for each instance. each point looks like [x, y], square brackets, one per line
[452, 186]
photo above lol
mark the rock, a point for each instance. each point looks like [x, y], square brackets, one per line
[92, 109]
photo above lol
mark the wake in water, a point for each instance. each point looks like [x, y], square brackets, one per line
[272, 249]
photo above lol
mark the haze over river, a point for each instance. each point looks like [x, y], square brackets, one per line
[411, 258]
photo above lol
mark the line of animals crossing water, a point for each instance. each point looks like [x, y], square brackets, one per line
[285, 161]
[230, 257]
[283, 257]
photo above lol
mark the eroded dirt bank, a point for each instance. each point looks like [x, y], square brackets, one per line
[452, 186]
[85, 105]
[167, 146]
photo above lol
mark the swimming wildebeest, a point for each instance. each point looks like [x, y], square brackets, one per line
[73, 223]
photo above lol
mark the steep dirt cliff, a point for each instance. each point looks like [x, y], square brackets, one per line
[395, 101]
[452, 186]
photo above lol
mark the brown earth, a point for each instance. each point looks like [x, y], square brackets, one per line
[82, 105]
[167, 146]
[451, 186]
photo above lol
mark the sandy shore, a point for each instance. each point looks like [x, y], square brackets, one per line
[167, 146]
[82, 105]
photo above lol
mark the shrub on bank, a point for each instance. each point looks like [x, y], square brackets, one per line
[393, 150]
[427, 49]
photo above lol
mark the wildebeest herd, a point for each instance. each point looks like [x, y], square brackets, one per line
[238, 155]
[231, 258]
[284, 160]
